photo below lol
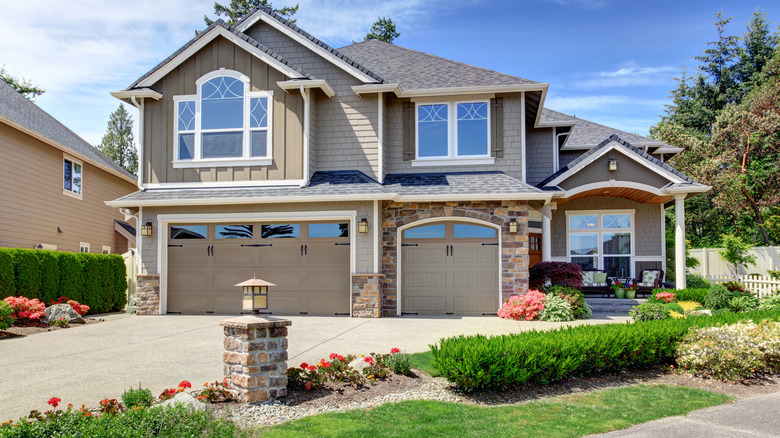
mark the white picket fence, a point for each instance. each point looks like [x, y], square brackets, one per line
[759, 285]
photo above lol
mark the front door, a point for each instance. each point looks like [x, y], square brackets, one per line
[534, 249]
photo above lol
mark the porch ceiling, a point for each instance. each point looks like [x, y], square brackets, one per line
[635, 195]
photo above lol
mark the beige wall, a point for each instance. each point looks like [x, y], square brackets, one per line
[32, 203]
[159, 118]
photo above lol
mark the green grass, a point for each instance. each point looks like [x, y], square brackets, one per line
[423, 361]
[565, 416]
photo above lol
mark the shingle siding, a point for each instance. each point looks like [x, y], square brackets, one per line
[539, 149]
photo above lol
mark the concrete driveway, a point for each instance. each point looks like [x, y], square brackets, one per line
[87, 364]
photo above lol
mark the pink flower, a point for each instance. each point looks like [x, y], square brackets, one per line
[395, 350]
[54, 401]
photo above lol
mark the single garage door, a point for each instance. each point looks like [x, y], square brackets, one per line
[450, 268]
[308, 262]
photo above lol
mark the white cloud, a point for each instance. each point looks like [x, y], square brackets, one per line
[571, 104]
[630, 74]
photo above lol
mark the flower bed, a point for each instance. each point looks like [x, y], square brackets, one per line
[357, 371]
[558, 304]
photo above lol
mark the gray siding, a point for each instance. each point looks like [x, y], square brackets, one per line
[540, 150]
[566, 157]
[628, 170]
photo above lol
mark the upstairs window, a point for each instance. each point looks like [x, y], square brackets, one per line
[224, 124]
[453, 130]
[71, 177]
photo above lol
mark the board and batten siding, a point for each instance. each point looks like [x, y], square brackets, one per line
[160, 116]
[33, 206]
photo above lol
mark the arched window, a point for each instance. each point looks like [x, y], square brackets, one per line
[224, 124]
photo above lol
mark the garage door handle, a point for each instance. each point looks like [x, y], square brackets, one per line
[258, 244]
[341, 244]
[452, 250]
[301, 249]
[489, 244]
[175, 246]
[407, 244]
[305, 249]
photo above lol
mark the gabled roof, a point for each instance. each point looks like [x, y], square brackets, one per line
[674, 175]
[218, 27]
[585, 134]
[17, 111]
[250, 19]
[554, 118]
[417, 70]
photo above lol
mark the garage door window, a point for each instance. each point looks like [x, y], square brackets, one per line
[328, 230]
[281, 231]
[464, 231]
[426, 232]
[189, 232]
[234, 231]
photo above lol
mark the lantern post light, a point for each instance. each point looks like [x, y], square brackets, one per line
[363, 225]
[513, 226]
[255, 295]
[612, 165]
[146, 229]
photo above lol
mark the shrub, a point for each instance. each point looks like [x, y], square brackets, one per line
[666, 297]
[500, 362]
[26, 272]
[525, 307]
[731, 352]
[769, 301]
[556, 309]
[689, 305]
[399, 362]
[743, 304]
[137, 397]
[71, 278]
[556, 273]
[7, 286]
[26, 311]
[692, 294]
[5, 315]
[649, 312]
[734, 286]
[50, 275]
[81, 309]
[674, 307]
[718, 297]
[576, 300]
[696, 281]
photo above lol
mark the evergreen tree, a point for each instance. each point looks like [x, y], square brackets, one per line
[22, 86]
[238, 8]
[383, 30]
[118, 143]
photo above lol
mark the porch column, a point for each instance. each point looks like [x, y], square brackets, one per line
[546, 233]
[679, 240]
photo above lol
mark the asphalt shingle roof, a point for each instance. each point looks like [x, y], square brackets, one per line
[456, 184]
[585, 133]
[415, 70]
[16, 108]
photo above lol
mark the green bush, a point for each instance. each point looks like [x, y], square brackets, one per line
[5, 315]
[674, 307]
[696, 281]
[27, 275]
[71, 278]
[500, 362]
[718, 297]
[734, 286]
[556, 309]
[7, 283]
[172, 422]
[576, 300]
[50, 276]
[769, 301]
[743, 304]
[691, 294]
[649, 312]
[141, 397]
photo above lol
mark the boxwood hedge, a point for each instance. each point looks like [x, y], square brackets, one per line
[500, 362]
[97, 280]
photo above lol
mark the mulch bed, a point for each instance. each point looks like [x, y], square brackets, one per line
[14, 331]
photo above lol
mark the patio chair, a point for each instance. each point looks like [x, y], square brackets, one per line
[648, 280]
[595, 281]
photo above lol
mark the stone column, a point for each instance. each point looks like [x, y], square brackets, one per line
[147, 294]
[679, 240]
[367, 295]
[255, 357]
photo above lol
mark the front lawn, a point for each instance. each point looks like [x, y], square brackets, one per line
[565, 416]
[424, 361]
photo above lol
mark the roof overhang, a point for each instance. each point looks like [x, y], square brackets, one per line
[447, 91]
[137, 93]
[124, 233]
[297, 84]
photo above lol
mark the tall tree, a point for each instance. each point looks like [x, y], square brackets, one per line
[758, 42]
[118, 142]
[23, 86]
[383, 29]
[238, 8]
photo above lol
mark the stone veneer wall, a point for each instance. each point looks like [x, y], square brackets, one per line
[367, 295]
[147, 294]
[514, 247]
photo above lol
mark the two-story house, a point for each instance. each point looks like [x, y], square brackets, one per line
[374, 179]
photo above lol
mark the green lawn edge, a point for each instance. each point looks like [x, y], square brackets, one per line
[572, 415]
[424, 362]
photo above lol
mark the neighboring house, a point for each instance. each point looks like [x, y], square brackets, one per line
[374, 180]
[55, 185]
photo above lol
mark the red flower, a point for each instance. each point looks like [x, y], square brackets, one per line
[370, 360]
[395, 350]
[304, 365]
[333, 356]
[54, 401]
[185, 384]
[311, 368]
[326, 364]
[341, 358]
[171, 391]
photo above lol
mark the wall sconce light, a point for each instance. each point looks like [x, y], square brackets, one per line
[612, 165]
[255, 295]
[146, 229]
[363, 225]
[513, 226]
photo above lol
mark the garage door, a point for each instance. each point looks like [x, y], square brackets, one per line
[308, 262]
[450, 268]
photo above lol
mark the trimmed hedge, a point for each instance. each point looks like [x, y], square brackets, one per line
[500, 362]
[97, 280]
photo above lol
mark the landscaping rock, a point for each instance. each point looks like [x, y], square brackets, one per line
[701, 312]
[185, 399]
[59, 311]
[359, 364]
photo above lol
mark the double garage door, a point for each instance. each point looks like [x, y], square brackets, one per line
[308, 262]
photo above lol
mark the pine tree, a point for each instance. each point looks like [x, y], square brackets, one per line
[22, 86]
[118, 143]
[383, 29]
[238, 8]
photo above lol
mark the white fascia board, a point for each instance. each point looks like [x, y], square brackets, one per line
[580, 147]
[239, 201]
[138, 93]
[206, 39]
[377, 88]
[542, 98]
[694, 188]
[309, 44]
[295, 85]
[668, 150]
[454, 91]
[66, 150]
[476, 197]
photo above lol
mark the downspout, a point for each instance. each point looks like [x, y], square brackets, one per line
[140, 146]
[380, 137]
[306, 158]
[558, 149]
[522, 137]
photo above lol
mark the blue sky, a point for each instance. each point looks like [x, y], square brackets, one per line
[608, 61]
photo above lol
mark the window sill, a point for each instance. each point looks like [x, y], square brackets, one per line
[72, 195]
[222, 163]
[453, 161]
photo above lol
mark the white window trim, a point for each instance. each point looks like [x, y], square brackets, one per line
[105, 249]
[245, 159]
[83, 245]
[73, 162]
[452, 157]
[599, 231]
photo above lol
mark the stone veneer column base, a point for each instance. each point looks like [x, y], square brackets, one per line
[255, 357]
[367, 295]
[147, 294]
